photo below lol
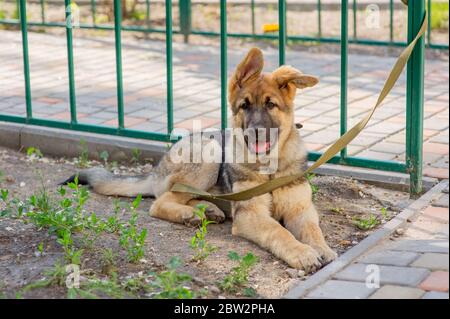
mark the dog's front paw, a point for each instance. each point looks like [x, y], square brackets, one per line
[327, 255]
[304, 257]
[192, 221]
[215, 214]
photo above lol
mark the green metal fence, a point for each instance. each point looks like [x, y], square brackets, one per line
[415, 76]
[185, 24]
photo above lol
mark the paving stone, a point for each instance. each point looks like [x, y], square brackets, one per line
[390, 257]
[436, 148]
[336, 289]
[397, 292]
[435, 295]
[386, 147]
[441, 173]
[405, 276]
[432, 261]
[421, 245]
[442, 233]
[436, 281]
[440, 213]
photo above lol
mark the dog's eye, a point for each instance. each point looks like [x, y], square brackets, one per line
[245, 105]
[270, 105]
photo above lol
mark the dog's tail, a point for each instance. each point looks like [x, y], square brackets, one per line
[105, 183]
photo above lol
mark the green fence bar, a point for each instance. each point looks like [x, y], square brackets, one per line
[42, 2]
[390, 166]
[147, 13]
[319, 18]
[429, 22]
[185, 19]
[118, 44]
[253, 16]
[22, 11]
[282, 32]
[391, 21]
[71, 71]
[223, 64]
[99, 129]
[415, 98]
[355, 11]
[17, 11]
[344, 72]
[169, 56]
[94, 12]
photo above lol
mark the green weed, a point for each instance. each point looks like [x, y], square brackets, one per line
[199, 244]
[135, 155]
[34, 153]
[104, 156]
[53, 277]
[108, 261]
[83, 159]
[366, 223]
[314, 188]
[238, 278]
[170, 284]
[130, 238]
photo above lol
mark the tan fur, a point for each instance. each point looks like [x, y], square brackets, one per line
[285, 221]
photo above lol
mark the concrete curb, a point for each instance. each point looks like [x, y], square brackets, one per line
[59, 142]
[372, 240]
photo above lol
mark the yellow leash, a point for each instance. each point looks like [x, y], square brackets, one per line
[222, 200]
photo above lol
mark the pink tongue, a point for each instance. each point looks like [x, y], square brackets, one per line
[260, 147]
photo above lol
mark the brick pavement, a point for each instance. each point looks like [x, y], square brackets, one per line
[197, 91]
[411, 265]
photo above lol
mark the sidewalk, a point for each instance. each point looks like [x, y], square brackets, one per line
[411, 264]
[197, 92]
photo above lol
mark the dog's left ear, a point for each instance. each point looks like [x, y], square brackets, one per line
[286, 75]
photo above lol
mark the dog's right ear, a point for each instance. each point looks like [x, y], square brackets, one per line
[250, 68]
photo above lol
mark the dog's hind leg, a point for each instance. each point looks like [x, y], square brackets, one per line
[174, 207]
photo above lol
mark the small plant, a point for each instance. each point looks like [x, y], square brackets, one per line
[113, 224]
[338, 210]
[130, 238]
[72, 255]
[314, 188]
[53, 277]
[34, 153]
[41, 248]
[198, 243]
[108, 261]
[104, 156]
[170, 284]
[83, 159]
[135, 155]
[13, 208]
[2, 176]
[366, 223]
[238, 278]
[384, 213]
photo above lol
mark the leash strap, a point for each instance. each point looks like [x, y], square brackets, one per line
[222, 200]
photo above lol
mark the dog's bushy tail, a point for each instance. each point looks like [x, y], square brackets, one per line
[106, 183]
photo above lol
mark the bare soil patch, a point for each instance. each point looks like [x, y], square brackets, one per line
[339, 200]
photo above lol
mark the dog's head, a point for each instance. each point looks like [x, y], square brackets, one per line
[265, 100]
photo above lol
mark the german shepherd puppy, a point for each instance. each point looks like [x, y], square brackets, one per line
[285, 221]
